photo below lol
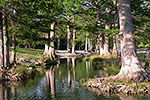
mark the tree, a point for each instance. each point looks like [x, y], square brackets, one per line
[5, 38]
[51, 52]
[1, 44]
[131, 68]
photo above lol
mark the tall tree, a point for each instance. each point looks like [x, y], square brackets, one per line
[5, 38]
[1, 44]
[131, 68]
[68, 38]
[51, 48]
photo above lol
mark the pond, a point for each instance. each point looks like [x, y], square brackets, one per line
[62, 82]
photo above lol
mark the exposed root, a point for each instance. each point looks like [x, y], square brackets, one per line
[136, 76]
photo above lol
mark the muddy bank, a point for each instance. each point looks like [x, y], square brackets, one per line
[104, 85]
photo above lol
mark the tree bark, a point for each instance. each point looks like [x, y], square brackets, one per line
[51, 48]
[5, 39]
[68, 38]
[106, 45]
[1, 45]
[118, 46]
[97, 44]
[131, 68]
[46, 46]
[13, 52]
[58, 42]
[73, 42]
[101, 46]
[86, 44]
[114, 45]
[90, 46]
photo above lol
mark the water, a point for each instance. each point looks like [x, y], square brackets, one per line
[62, 82]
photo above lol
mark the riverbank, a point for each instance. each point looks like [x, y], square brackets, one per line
[106, 85]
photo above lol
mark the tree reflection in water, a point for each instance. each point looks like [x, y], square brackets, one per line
[50, 81]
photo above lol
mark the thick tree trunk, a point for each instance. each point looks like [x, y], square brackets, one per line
[5, 39]
[46, 46]
[68, 38]
[73, 42]
[131, 68]
[58, 42]
[1, 46]
[51, 48]
[13, 52]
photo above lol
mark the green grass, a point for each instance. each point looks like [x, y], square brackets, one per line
[26, 53]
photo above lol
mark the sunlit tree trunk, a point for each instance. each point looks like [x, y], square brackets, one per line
[5, 39]
[114, 45]
[101, 46]
[115, 26]
[86, 44]
[68, 38]
[131, 68]
[13, 52]
[1, 45]
[58, 42]
[106, 45]
[73, 42]
[51, 48]
[90, 45]
[46, 46]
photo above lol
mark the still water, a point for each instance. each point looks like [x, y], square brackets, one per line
[62, 82]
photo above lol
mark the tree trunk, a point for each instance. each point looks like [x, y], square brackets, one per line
[131, 68]
[114, 45]
[97, 44]
[68, 38]
[58, 42]
[86, 44]
[118, 46]
[101, 46]
[106, 45]
[1, 46]
[13, 52]
[5, 39]
[46, 46]
[73, 42]
[90, 46]
[51, 48]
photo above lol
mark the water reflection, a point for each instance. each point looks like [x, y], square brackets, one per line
[62, 82]
[6, 92]
[69, 75]
[50, 80]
